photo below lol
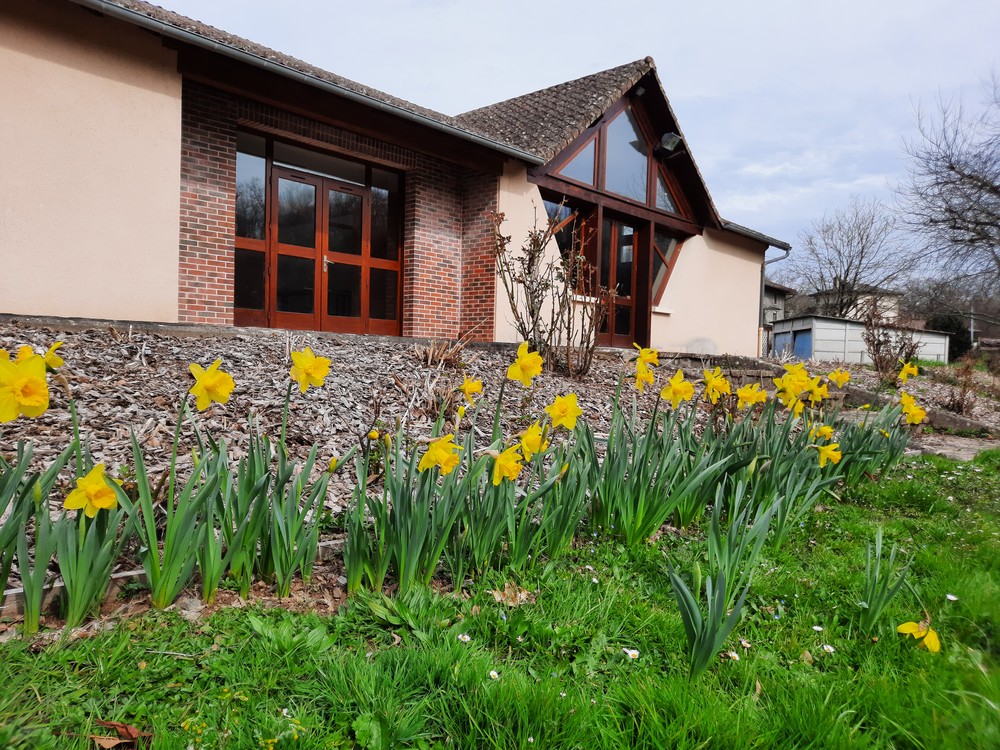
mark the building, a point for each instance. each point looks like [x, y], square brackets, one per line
[840, 340]
[159, 169]
[775, 301]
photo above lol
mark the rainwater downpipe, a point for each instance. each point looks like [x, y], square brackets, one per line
[760, 328]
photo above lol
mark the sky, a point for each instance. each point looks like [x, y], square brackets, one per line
[788, 107]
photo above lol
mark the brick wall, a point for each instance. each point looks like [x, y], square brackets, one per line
[208, 206]
[448, 278]
[432, 246]
[479, 282]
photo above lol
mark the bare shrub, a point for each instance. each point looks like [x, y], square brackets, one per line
[557, 304]
[887, 345]
[963, 398]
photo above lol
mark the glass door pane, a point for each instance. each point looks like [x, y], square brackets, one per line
[345, 258]
[293, 254]
[296, 213]
[345, 222]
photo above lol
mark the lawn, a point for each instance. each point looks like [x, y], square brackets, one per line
[588, 651]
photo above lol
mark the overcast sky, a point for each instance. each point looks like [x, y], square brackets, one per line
[788, 106]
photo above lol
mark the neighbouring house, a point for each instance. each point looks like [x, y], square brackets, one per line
[774, 304]
[156, 168]
[775, 300]
[840, 340]
[853, 304]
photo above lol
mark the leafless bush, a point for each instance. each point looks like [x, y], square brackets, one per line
[440, 354]
[887, 346]
[557, 304]
[963, 398]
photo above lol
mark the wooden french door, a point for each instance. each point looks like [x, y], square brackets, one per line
[321, 271]
[617, 263]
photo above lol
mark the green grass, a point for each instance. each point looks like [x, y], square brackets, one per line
[386, 674]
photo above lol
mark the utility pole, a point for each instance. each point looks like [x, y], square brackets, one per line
[972, 325]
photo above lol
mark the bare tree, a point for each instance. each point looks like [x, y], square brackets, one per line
[952, 195]
[848, 258]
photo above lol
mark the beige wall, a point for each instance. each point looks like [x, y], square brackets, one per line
[90, 113]
[711, 303]
[522, 206]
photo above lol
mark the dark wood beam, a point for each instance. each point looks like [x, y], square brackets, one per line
[609, 203]
[299, 98]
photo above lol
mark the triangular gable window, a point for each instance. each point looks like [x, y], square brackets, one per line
[627, 155]
[581, 166]
[664, 200]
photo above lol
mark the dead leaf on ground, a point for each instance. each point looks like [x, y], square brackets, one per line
[513, 595]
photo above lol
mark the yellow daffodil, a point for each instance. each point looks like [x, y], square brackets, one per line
[864, 407]
[564, 411]
[750, 395]
[915, 415]
[907, 401]
[442, 453]
[677, 389]
[533, 441]
[470, 388]
[817, 392]
[373, 434]
[716, 385]
[821, 432]
[828, 453]
[792, 387]
[840, 377]
[908, 369]
[92, 493]
[332, 466]
[461, 411]
[25, 352]
[648, 356]
[506, 465]
[885, 433]
[308, 369]
[922, 630]
[643, 375]
[23, 388]
[528, 365]
[211, 385]
[52, 360]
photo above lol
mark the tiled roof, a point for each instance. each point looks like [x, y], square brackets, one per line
[545, 121]
[174, 24]
[533, 127]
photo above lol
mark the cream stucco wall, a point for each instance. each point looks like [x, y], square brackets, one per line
[523, 209]
[711, 303]
[90, 145]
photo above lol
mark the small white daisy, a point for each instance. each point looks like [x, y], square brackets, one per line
[494, 675]
[733, 655]
[593, 580]
[951, 597]
[818, 628]
[744, 643]
[464, 637]
[530, 740]
[828, 648]
[631, 653]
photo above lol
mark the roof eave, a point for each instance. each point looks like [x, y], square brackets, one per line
[183, 35]
[753, 234]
